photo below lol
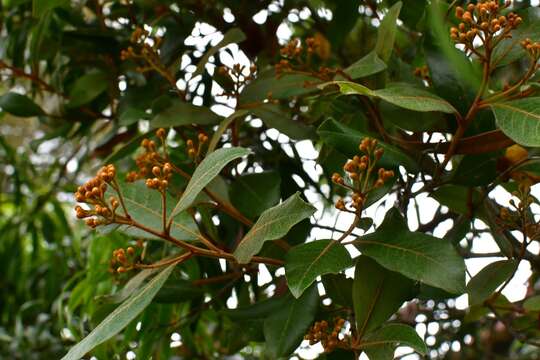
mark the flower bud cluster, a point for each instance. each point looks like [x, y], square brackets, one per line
[359, 171]
[518, 216]
[93, 194]
[328, 337]
[483, 20]
[148, 159]
[532, 49]
[195, 151]
[162, 176]
[122, 260]
[297, 57]
[145, 49]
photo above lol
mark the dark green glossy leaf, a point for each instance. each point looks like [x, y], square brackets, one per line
[87, 88]
[273, 224]
[382, 343]
[305, 262]
[285, 328]
[483, 284]
[19, 105]
[184, 113]
[251, 194]
[416, 255]
[387, 32]
[377, 294]
[347, 140]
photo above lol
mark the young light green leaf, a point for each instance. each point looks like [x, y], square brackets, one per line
[19, 105]
[416, 255]
[87, 88]
[387, 32]
[208, 169]
[144, 206]
[346, 141]
[273, 224]
[483, 284]
[284, 329]
[382, 343]
[184, 113]
[234, 35]
[120, 317]
[402, 95]
[519, 120]
[377, 294]
[303, 263]
[366, 66]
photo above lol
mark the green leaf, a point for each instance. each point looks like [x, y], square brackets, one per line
[208, 169]
[382, 343]
[339, 289]
[120, 317]
[483, 284]
[476, 170]
[273, 224]
[131, 116]
[260, 310]
[175, 291]
[402, 95]
[87, 88]
[416, 255]
[377, 294]
[19, 105]
[366, 66]
[133, 284]
[387, 32]
[223, 125]
[346, 141]
[305, 262]
[234, 35]
[285, 328]
[532, 303]
[251, 194]
[144, 206]
[456, 198]
[519, 120]
[184, 113]
[40, 7]
[284, 87]
[275, 118]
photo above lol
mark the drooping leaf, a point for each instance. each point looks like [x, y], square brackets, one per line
[402, 95]
[234, 35]
[377, 294]
[275, 118]
[87, 88]
[19, 105]
[273, 224]
[144, 206]
[387, 32]
[208, 169]
[251, 194]
[284, 87]
[519, 120]
[346, 141]
[416, 255]
[366, 66]
[184, 113]
[483, 284]
[305, 262]
[382, 343]
[284, 329]
[120, 317]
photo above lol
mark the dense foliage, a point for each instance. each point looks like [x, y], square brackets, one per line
[200, 179]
